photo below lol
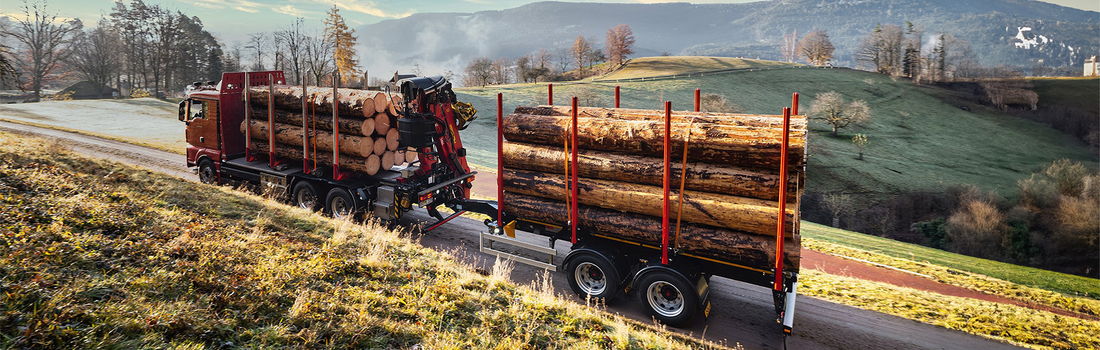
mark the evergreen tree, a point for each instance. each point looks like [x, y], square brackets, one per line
[343, 40]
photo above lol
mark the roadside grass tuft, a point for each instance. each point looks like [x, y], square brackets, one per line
[94, 254]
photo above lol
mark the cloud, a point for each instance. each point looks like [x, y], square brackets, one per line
[246, 6]
[365, 7]
[290, 10]
[210, 4]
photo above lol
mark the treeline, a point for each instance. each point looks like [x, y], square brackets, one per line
[581, 60]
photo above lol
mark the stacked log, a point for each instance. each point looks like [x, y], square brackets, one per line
[731, 178]
[368, 143]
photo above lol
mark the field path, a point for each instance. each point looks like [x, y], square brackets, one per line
[742, 313]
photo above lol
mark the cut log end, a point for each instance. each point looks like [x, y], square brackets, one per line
[381, 123]
[387, 160]
[373, 162]
[392, 139]
[381, 102]
[379, 146]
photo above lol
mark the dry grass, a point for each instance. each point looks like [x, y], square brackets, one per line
[99, 255]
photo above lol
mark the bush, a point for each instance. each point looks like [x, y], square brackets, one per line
[139, 93]
[934, 233]
[976, 229]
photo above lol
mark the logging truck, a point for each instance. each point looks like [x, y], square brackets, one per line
[652, 203]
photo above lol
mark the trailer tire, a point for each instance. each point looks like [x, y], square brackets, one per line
[305, 195]
[208, 173]
[340, 204]
[592, 275]
[667, 296]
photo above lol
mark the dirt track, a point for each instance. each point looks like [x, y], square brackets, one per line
[742, 313]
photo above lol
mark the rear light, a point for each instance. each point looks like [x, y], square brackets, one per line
[425, 197]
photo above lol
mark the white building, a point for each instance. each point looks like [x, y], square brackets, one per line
[1091, 69]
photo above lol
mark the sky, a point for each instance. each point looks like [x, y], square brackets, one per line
[232, 20]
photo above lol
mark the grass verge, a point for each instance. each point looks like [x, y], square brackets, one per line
[153, 145]
[96, 254]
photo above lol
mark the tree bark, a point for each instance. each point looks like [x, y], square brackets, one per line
[798, 122]
[744, 214]
[354, 125]
[649, 170]
[749, 147]
[353, 102]
[717, 243]
[369, 165]
[361, 146]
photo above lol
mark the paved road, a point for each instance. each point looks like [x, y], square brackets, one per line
[742, 313]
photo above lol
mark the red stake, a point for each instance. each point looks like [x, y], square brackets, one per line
[500, 160]
[271, 161]
[305, 132]
[550, 94]
[247, 118]
[616, 96]
[336, 175]
[668, 175]
[794, 104]
[780, 229]
[698, 100]
[573, 167]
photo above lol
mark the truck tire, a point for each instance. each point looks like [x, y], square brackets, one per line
[208, 174]
[340, 204]
[306, 196]
[668, 297]
[592, 275]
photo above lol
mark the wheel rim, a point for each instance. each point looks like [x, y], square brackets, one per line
[306, 199]
[590, 278]
[340, 207]
[206, 174]
[665, 299]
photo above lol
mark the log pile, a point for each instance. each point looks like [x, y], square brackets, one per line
[730, 179]
[367, 142]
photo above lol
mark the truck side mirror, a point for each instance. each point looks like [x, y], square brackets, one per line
[184, 107]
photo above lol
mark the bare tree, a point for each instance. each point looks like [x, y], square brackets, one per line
[790, 46]
[295, 41]
[816, 47]
[523, 69]
[95, 55]
[45, 40]
[882, 49]
[479, 72]
[620, 43]
[838, 205]
[318, 57]
[581, 52]
[502, 72]
[861, 141]
[831, 108]
[258, 43]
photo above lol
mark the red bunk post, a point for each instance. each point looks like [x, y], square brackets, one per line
[271, 161]
[782, 201]
[550, 94]
[698, 100]
[305, 132]
[247, 118]
[500, 160]
[668, 174]
[336, 175]
[616, 96]
[794, 104]
[573, 168]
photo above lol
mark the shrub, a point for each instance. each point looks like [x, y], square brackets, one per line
[139, 93]
[716, 103]
[976, 228]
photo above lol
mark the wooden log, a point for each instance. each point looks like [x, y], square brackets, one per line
[361, 146]
[349, 125]
[744, 214]
[353, 102]
[748, 147]
[393, 139]
[399, 157]
[368, 165]
[411, 156]
[379, 145]
[382, 122]
[387, 160]
[395, 103]
[648, 170]
[798, 122]
[381, 102]
[732, 246]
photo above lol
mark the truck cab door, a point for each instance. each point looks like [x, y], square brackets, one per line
[202, 123]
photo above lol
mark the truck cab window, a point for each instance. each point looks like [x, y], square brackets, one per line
[197, 110]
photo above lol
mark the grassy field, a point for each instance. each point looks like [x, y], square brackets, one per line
[918, 142]
[145, 121]
[1080, 93]
[99, 255]
[672, 65]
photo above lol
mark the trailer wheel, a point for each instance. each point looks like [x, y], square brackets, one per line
[340, 203]
[591, 275]
[305, 195]
[668, 297]
[207, 173]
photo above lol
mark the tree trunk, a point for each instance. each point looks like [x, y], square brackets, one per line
[744, 214]
[648, 170]
[353, 102]
[717, 243]
[798, 122]
[361, 146]
[354, 125]
[749, 147]
[369, 165]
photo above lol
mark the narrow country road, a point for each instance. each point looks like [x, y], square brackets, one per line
[742, 313]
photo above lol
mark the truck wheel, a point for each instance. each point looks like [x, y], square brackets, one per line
[340, 203]
[207, 173]
[305, 195]
[591, 275]
[668, 297]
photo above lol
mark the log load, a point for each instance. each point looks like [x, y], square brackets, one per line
[717, 243]
[368, 165]
[749, 147]
[288, 134]
[648, 170]
[354, 125]
[743, 214]
[798, 122]
[353, 102]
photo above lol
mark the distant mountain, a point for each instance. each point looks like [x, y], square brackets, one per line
[1021, 33]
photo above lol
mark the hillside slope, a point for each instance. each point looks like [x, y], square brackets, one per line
[918, 141]
[94, 254]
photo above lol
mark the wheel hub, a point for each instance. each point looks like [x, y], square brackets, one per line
[590, 278]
